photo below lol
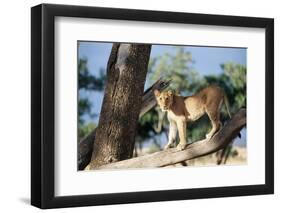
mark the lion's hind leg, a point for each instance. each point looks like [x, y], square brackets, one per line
[214, 117]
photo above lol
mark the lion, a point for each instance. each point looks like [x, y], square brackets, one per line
[181, 110]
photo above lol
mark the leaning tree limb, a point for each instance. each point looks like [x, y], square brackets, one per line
[85, 146]
[197, 149]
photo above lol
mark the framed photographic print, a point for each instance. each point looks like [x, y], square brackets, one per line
[140, 106]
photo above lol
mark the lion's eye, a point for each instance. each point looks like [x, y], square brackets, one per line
[160, 99]
[166, 99]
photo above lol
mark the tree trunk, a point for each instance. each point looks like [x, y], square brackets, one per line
[126, 73]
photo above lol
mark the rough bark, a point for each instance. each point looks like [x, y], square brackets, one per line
[85, 146]
[126, 73]
[85, 150]
[201, 148]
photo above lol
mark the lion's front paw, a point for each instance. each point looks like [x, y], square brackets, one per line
[181, 146]
[168, 146]
[208, 136]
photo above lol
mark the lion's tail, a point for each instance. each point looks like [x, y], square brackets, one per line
[226, 103]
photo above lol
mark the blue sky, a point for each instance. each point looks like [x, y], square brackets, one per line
[207, 60]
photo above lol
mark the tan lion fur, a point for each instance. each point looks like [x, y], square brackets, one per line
[181, 110]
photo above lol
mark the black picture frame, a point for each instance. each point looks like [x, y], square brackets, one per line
[43, 102]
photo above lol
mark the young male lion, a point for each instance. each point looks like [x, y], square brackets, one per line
[185, 109]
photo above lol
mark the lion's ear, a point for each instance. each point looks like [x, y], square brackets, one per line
[170, 93]
[156, 92]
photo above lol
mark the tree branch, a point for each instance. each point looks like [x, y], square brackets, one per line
[194, 150]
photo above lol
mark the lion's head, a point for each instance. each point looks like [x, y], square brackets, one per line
[164, 99]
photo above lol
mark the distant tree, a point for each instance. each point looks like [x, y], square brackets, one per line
[233, 81]
[176, 66]
[236, 76]
[88, 81]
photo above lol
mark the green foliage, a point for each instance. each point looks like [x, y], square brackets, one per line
[145, 128]
[236, 75]
[233, 81]
[87, 81]
[84, 107]
[176, 66]
[85, 129]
